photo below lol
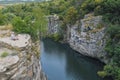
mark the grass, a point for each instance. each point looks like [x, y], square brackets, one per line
[4, 54]
[6, 27]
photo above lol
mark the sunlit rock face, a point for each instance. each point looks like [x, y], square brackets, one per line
[89, 38]
[19, 59]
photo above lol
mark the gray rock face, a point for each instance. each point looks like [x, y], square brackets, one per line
[21, 62]
[88, 38]
[53, 24]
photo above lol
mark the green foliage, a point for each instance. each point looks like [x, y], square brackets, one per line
[113, 71]
[2, 18]
[89, 5]
[108, 8]
[102, 73]
[55, 6]
[27, 18]
[19, 25]
[71, 16]
[114, 31]
[113, 48]
[56, 36]
[4, 54]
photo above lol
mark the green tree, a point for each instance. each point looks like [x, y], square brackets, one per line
[40, 22]
[113, 50]
[19, 25]
[2, 18]
[71, 16]
[110, 10]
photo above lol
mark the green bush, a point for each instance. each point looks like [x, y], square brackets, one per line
[4, 54]
[113, 50]
[102, 73]
[108, 8]
[2, 18]
[56, 37]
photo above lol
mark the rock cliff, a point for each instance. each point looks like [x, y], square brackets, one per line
[53, 24]
[19, 59]
[88, 36]
[89, 39]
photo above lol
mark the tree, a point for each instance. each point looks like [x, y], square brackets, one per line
[40, 22]
[71, 16]
[20, 25]
[2, 18]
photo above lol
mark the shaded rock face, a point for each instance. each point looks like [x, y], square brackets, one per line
[21, 62]
[53, 24]
[88, 37]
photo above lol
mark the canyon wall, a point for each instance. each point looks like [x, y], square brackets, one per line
[87, 36]
[19, 59]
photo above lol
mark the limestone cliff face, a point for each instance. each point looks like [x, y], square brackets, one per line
[88, 37]
[21, 61]
[53, 24]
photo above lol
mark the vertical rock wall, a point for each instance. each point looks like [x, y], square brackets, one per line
[22, 61]
[90, 40]
[53, 23]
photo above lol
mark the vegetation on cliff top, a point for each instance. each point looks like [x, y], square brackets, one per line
[25, 18]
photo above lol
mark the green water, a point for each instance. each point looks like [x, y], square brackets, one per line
[60, 62]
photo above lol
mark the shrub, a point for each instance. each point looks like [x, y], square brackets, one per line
[2, 18]
[102, 73]
[56, 37]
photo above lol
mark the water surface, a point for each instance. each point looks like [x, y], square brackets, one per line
[60, 62]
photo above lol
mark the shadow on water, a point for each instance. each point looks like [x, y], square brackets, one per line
[60, 62]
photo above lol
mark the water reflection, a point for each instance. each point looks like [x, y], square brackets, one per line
[62, 63]
[81, 68]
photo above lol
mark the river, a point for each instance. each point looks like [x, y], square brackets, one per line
[60, 62]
